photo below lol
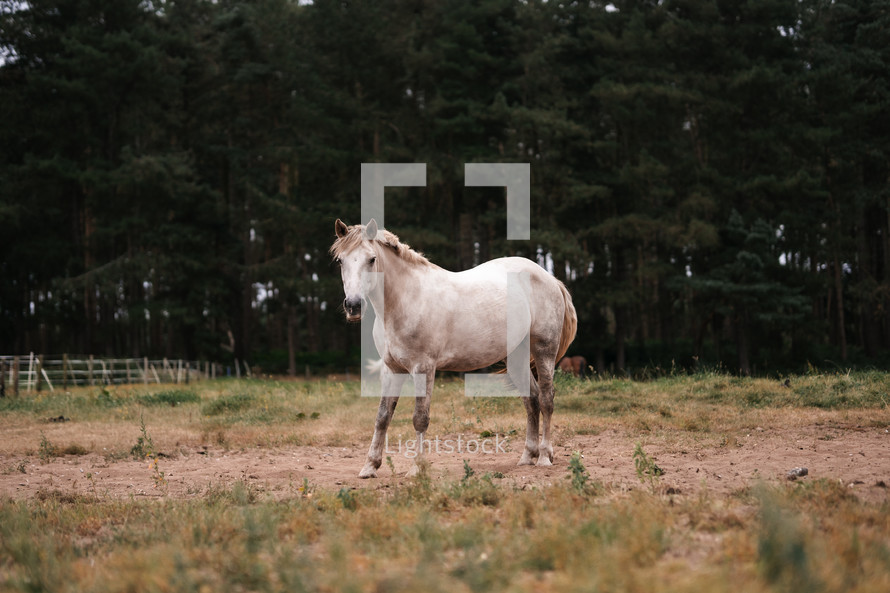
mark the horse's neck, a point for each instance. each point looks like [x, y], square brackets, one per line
[398, 275]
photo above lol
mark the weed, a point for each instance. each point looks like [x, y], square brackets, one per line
[473, 491]
[420, 487]
[46, 450]
[144, 446]
[347, 498]
[145, 449]
[468, 471]
[157, 476]
[647, 470]
[305, 490]
[578, 472]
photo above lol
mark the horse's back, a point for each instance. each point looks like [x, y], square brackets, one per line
[547, 296]
[493, 271]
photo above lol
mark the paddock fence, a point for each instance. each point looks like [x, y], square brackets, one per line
[32, 373]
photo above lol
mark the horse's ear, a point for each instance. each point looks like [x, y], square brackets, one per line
[340, 229]
[371, 230]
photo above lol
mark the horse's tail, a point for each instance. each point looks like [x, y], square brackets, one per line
[374, 366]
[569, 323]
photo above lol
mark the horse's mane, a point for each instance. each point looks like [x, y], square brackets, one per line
[356, 234]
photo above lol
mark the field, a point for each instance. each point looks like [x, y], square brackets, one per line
[674, 484]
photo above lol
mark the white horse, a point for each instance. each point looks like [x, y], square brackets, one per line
[436, 319]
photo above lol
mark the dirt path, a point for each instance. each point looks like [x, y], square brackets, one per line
[859, 457]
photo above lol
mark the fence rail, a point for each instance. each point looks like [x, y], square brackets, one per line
[34, 372]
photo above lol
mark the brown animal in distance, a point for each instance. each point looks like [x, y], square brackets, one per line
[576, 365]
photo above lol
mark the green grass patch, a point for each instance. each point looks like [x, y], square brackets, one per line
[228, 404]
[173, 397]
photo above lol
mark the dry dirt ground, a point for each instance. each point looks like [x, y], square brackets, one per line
[858, 456]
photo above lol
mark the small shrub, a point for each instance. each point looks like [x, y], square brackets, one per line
[74, 449]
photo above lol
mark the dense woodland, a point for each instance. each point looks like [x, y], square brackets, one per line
[711, 178]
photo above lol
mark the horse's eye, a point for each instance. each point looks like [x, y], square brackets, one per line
[338, 261]
[372, 260]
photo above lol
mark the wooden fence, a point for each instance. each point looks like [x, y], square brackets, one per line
[35, 372]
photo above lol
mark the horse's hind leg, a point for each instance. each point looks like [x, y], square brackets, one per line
[391, 385]
[533, 413]
[545, 361]
[545, 386]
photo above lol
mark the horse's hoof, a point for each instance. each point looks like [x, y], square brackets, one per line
[527, 459]
[368, 471]
[544, 461]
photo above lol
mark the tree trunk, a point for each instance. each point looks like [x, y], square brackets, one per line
[742, 343]
[291, 342]
[620, 329]
[839, 301]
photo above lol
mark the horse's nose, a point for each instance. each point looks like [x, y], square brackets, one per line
[353, 306]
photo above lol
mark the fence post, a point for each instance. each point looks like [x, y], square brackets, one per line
[15, 375]
[90, 370]
[65, 371]
[30, 372]
[37, 373]
[169, 369]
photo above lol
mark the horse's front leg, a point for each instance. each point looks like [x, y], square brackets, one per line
[423, 390]
[391, 385]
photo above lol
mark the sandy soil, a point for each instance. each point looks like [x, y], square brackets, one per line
[857, 456]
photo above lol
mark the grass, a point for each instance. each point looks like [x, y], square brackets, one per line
[467, 535]
[472, 533]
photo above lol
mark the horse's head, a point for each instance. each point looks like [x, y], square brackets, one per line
[355, 253]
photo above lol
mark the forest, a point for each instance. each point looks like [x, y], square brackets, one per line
[710, 178]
